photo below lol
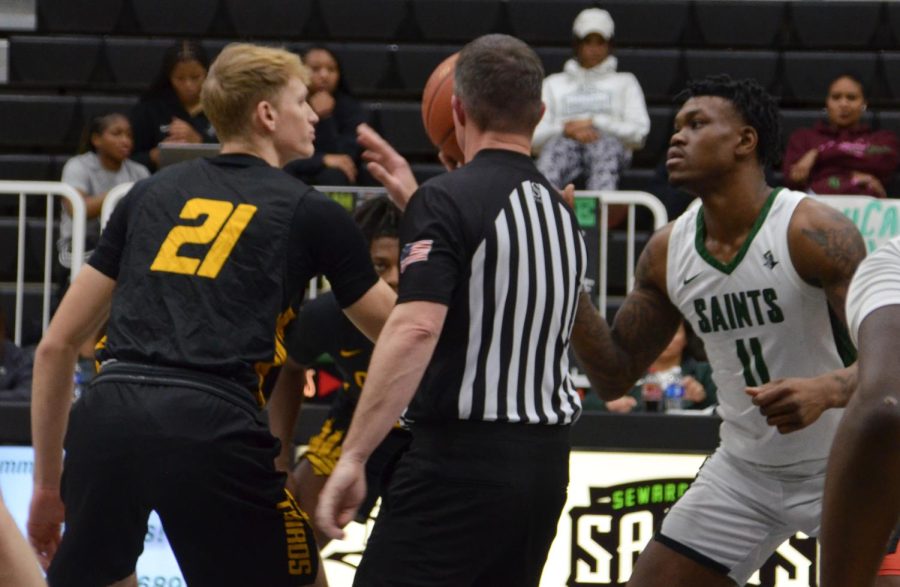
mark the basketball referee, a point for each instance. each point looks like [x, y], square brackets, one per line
[199, 269]
[491, 266]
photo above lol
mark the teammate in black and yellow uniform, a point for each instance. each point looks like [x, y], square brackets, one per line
[321, 328]
[198, 271]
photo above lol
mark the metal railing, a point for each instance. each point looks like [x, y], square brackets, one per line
[49, 190]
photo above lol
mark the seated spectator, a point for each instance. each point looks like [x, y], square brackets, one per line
[336, 160]
[841, 155]
[103, 164]
[595, 117]
[699, 388]
[15, 367]
[170, 111]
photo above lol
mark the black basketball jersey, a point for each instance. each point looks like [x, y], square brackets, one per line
[495, 243]
[211, 258]
[321, 327]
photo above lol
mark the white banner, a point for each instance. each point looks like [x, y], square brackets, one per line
[616, 504]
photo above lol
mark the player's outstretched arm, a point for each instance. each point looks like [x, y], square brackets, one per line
[862, 487]
[18, 567]
[83, 310]
[826, 248]
[613, 359]
[371, 311]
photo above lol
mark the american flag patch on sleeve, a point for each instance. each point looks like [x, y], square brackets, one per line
[414, 252]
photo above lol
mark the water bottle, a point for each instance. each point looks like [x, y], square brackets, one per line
[652, 391]
[674, 389]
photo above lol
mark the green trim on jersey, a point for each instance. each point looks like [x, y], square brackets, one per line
[700, 238]
[842, 339]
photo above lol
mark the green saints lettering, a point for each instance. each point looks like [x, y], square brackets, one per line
[732, 311]
[643, 495]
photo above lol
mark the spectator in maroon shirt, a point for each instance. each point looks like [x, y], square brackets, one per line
[841, 155]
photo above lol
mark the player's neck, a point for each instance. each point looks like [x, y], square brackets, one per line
[479, 140]
[731, 208]
[264, 151]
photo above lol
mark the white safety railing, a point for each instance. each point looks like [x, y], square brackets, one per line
[630, 199]
[49, 190]
[112, 198]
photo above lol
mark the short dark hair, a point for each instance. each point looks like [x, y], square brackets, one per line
[378, 217]
[499, 79]
[756, 106]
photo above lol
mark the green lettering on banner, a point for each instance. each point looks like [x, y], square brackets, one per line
[586, 212]
[877, 220]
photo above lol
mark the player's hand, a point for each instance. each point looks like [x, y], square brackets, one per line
[341, 496]
[693, 389]
[449, 162]
[342, 162]
[45, 518]
[387, 165]
[568, 195]
[790, 404]
[182, 132]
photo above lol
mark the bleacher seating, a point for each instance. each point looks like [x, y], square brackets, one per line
[90, 56]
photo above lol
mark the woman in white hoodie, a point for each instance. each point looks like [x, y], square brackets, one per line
[596, 116]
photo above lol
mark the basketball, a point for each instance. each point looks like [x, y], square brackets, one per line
[437, 115]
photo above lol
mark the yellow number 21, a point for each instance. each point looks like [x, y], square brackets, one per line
[221, 228]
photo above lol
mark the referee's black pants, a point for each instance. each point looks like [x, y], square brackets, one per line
[471, 503]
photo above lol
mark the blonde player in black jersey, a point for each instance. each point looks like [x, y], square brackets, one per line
[198, 271]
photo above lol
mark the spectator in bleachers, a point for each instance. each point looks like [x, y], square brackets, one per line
[336, 160]
[15, 367]
[596, 116]
[842, 155]
[103, 164]
[170, 111]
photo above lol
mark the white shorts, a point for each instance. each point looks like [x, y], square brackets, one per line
[737, 513]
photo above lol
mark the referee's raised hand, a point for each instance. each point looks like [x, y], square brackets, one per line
[341, 497]
[387, 165]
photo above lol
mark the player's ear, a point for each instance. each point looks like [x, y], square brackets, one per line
[748, 140]
[459, 113]
[266, 114]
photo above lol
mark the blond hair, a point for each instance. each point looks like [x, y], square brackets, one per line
[242, 76]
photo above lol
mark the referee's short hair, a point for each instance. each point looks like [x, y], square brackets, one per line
[498, 79]
[240, 78]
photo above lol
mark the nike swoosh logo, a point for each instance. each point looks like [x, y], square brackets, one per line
[347, 353]
[690, 279]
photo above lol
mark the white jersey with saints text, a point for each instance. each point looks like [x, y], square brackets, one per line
[759, 321]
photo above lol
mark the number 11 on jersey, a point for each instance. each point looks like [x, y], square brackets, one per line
[758, 363]
[222, 227]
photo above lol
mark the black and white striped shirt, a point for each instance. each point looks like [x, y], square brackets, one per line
[496, 244]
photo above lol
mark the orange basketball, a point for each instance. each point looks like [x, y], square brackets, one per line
[437, 115]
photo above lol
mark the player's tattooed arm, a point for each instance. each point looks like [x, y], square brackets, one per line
[613, 359]
[826, 248]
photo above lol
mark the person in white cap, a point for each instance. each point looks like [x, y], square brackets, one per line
[596, 116]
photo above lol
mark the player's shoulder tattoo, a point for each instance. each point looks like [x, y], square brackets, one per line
[838, 239]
